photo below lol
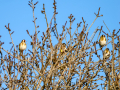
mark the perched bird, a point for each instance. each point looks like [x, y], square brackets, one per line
[63, 48]
[106, 53]
[22, 46]
[102, 41]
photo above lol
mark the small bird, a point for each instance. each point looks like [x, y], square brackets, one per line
[102, 41]
[63, 48]
[106, 53]
[22, 46]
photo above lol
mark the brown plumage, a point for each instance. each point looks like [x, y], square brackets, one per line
[102, 41]
[63, 48]
[106, 53]
[22, 46]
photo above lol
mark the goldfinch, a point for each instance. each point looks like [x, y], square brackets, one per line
[63, 48]
[22, 46]
[102, 41]
[106, 53]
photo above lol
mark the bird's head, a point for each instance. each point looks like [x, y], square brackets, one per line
[23, 40]
[107, 50]
[63, 44]
[103, 35]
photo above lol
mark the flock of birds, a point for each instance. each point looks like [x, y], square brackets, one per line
[102, 42]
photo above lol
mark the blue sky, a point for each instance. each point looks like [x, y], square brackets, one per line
[19, 14]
